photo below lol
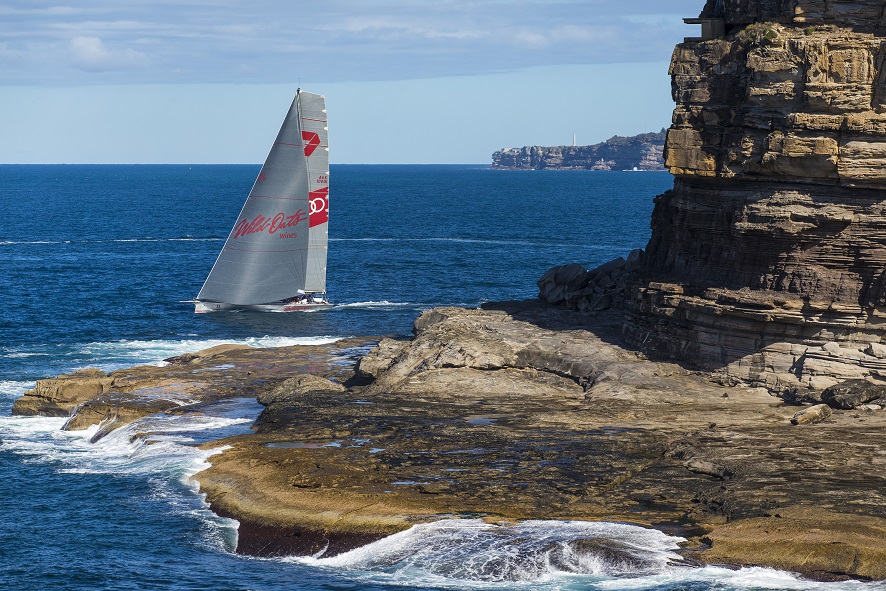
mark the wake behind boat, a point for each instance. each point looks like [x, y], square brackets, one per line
[274, 259]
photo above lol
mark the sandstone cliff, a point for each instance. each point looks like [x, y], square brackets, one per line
[768, 257]
[643, 152]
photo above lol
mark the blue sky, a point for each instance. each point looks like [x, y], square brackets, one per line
[411, 81]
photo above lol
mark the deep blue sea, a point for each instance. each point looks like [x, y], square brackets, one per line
[93, 263]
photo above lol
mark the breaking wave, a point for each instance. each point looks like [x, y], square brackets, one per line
[153, 445]
[470, 550]
[161, 448]
[550, 555]
[554, 555]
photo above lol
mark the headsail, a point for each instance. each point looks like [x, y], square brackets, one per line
[268, 256]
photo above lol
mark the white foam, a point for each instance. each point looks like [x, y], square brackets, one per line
[127, 352]
[550, 555]
[10, 388]
[160, 447]
[9, 391]
[378, 304]
[154, 445]
[750, 579]
[16, 242]
[459, 551]
[168, 450]
[111, 355]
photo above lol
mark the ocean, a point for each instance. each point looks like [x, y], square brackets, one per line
[94, 261]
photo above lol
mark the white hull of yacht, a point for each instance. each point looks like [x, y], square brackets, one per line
[303, 306]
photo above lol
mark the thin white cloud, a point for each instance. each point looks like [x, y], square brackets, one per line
[91, 54]
[97, 25]
[268, 41]
[385, 26]
[49, 10]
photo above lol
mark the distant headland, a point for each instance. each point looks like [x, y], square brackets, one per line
[641, 152]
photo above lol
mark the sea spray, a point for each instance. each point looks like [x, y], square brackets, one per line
[719, 578]
[118, 354]
[161, 448]
[460, 550]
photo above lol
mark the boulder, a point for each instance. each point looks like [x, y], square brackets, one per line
[558, 281]
[811, 415]
[709, 468]
[599, 272]
[589, 291]
[852, 394]
[876, 350]
[296, 387]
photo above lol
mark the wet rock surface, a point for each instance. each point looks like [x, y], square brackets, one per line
[522, 411]
[91, 396]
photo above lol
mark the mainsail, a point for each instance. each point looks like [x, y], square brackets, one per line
[277, 247]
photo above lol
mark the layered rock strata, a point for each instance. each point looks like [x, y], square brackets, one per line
[767, 258]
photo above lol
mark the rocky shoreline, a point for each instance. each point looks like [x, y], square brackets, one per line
[524, 410]
[638, 152]
[726, 383]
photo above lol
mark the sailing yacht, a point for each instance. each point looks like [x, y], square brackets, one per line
[274, 259]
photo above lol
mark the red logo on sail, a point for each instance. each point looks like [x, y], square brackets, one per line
[312, 139]
[271, 225]
[319, 207]
[262, 177]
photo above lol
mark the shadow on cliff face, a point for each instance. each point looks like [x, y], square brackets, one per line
[605, 324]
[757, 283]
[815, 243]
[775, 283]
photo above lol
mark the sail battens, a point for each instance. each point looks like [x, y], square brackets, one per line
[254, 266]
